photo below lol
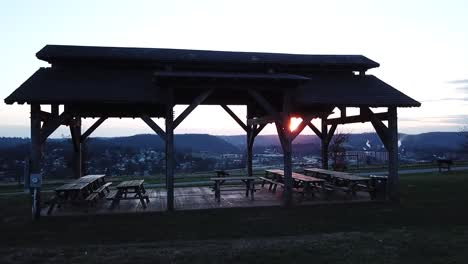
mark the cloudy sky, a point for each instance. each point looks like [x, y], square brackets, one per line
[421, 46]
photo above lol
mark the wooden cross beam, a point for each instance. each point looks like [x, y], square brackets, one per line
[331, 132]
[44, 115]
[258, 129]
[154, 126]
[92, 128]
[262, 120]
[235, 117]
[302, 125]
[52, 124]
[381, 129]
[281, 135]
[363, 117]
[196, 102]
[315, 129]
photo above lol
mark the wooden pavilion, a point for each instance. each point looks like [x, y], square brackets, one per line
[109, 82]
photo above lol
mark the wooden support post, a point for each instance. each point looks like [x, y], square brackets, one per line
[54, 109]
[170, 161]
[251, 130]
[325, 143]
[393, 181]
[287, 150]
[75, 131]
[250, 141]
[36, 151]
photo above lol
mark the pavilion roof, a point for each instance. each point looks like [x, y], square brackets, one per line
[101, 75]
[197, 60]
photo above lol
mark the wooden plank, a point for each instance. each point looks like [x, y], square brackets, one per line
[337, 174]
[295, 175]
[130, 184]
[232, 178]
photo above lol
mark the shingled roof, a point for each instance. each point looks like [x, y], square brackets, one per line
[195, 60]
[135, 76]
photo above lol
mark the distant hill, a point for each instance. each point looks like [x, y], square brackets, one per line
[192, 142]
[426, 142]
[268, 140]
[8, 142]
[433, 141]
[437, 141]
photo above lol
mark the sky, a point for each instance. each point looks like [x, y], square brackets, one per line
[421, 47]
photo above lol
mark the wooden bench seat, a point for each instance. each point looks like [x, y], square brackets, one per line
[92, 198]
[273, 184]
[232, 188]
[111, 195]
[103, 188]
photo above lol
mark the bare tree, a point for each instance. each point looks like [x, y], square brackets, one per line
[336, 150]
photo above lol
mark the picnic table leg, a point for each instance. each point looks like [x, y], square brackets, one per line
[252, 189]
[247, 187]
[116, 199]
[142, 200]
[217, 191]
[51, 207]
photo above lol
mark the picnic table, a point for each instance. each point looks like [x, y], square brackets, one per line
[136, 190]
[335, 175]
[248, 181]
[307, 183]
[85, 189]
[346, 181]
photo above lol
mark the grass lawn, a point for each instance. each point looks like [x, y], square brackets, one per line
[429, 226]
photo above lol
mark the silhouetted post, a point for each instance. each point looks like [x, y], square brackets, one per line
[36, 151]
[250, 138]
[393, 182]
[170, 151]
[325, 143]
[75, 131]
[287, 155]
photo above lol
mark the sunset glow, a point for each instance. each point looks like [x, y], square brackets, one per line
[294, 123]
